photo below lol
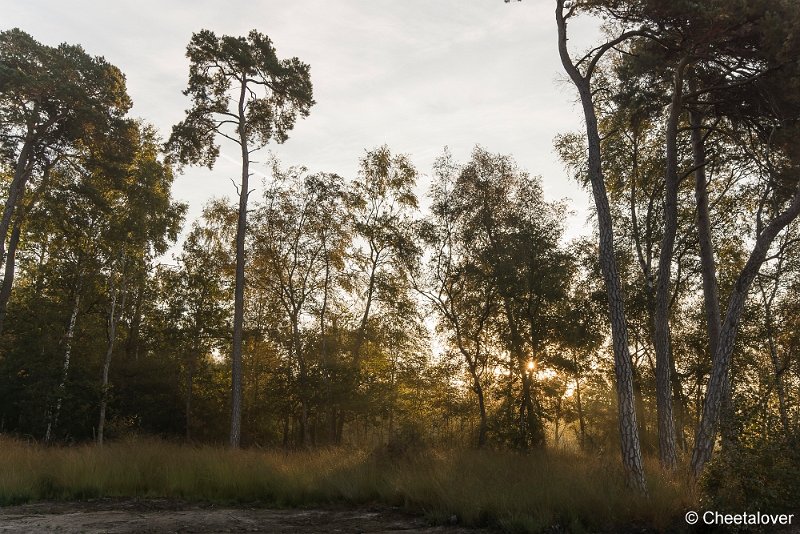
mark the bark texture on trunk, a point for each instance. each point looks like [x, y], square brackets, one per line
[628, 429]
[707, 430]
[22, 172]
[708, 267]
[661, 331]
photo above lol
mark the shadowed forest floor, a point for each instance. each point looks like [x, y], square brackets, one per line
[116, 516]
[159, 515]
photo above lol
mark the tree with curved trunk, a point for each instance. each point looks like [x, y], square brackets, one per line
[14, 240]
[686, 40]
[629, 437]
[783, 170]
[745, 80]
[269, 94]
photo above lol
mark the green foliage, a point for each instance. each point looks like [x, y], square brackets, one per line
[763, 476]
[271, 93]
[498, 280]
[336, 342]
[91, 236]
[56, 96]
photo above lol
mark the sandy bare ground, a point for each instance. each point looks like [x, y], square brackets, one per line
[117, 516]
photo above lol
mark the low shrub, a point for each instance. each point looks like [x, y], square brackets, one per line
[753, 477]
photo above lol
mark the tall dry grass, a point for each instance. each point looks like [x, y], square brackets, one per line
[521, 493]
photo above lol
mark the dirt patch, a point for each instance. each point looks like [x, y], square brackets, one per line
[118, 516]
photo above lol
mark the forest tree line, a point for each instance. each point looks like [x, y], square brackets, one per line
[346, 310]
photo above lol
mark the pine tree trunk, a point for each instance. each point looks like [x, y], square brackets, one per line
[16, 230]
[22, 171]
[8, 274]
[238, 299]
[708, 268]
[661, 331]
[629, 436]
[706, 431]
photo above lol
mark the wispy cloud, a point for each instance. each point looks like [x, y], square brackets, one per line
[416, 74]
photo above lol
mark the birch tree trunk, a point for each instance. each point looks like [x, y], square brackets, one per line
[362, 328]
[113, 318]
[68, 337]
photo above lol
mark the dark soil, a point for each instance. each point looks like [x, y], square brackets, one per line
[159, 515]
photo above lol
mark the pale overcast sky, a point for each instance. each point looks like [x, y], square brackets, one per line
[414, 74]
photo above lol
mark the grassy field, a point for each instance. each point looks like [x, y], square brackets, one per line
[520, 493]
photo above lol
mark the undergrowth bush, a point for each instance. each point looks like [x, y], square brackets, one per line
[753, 477]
